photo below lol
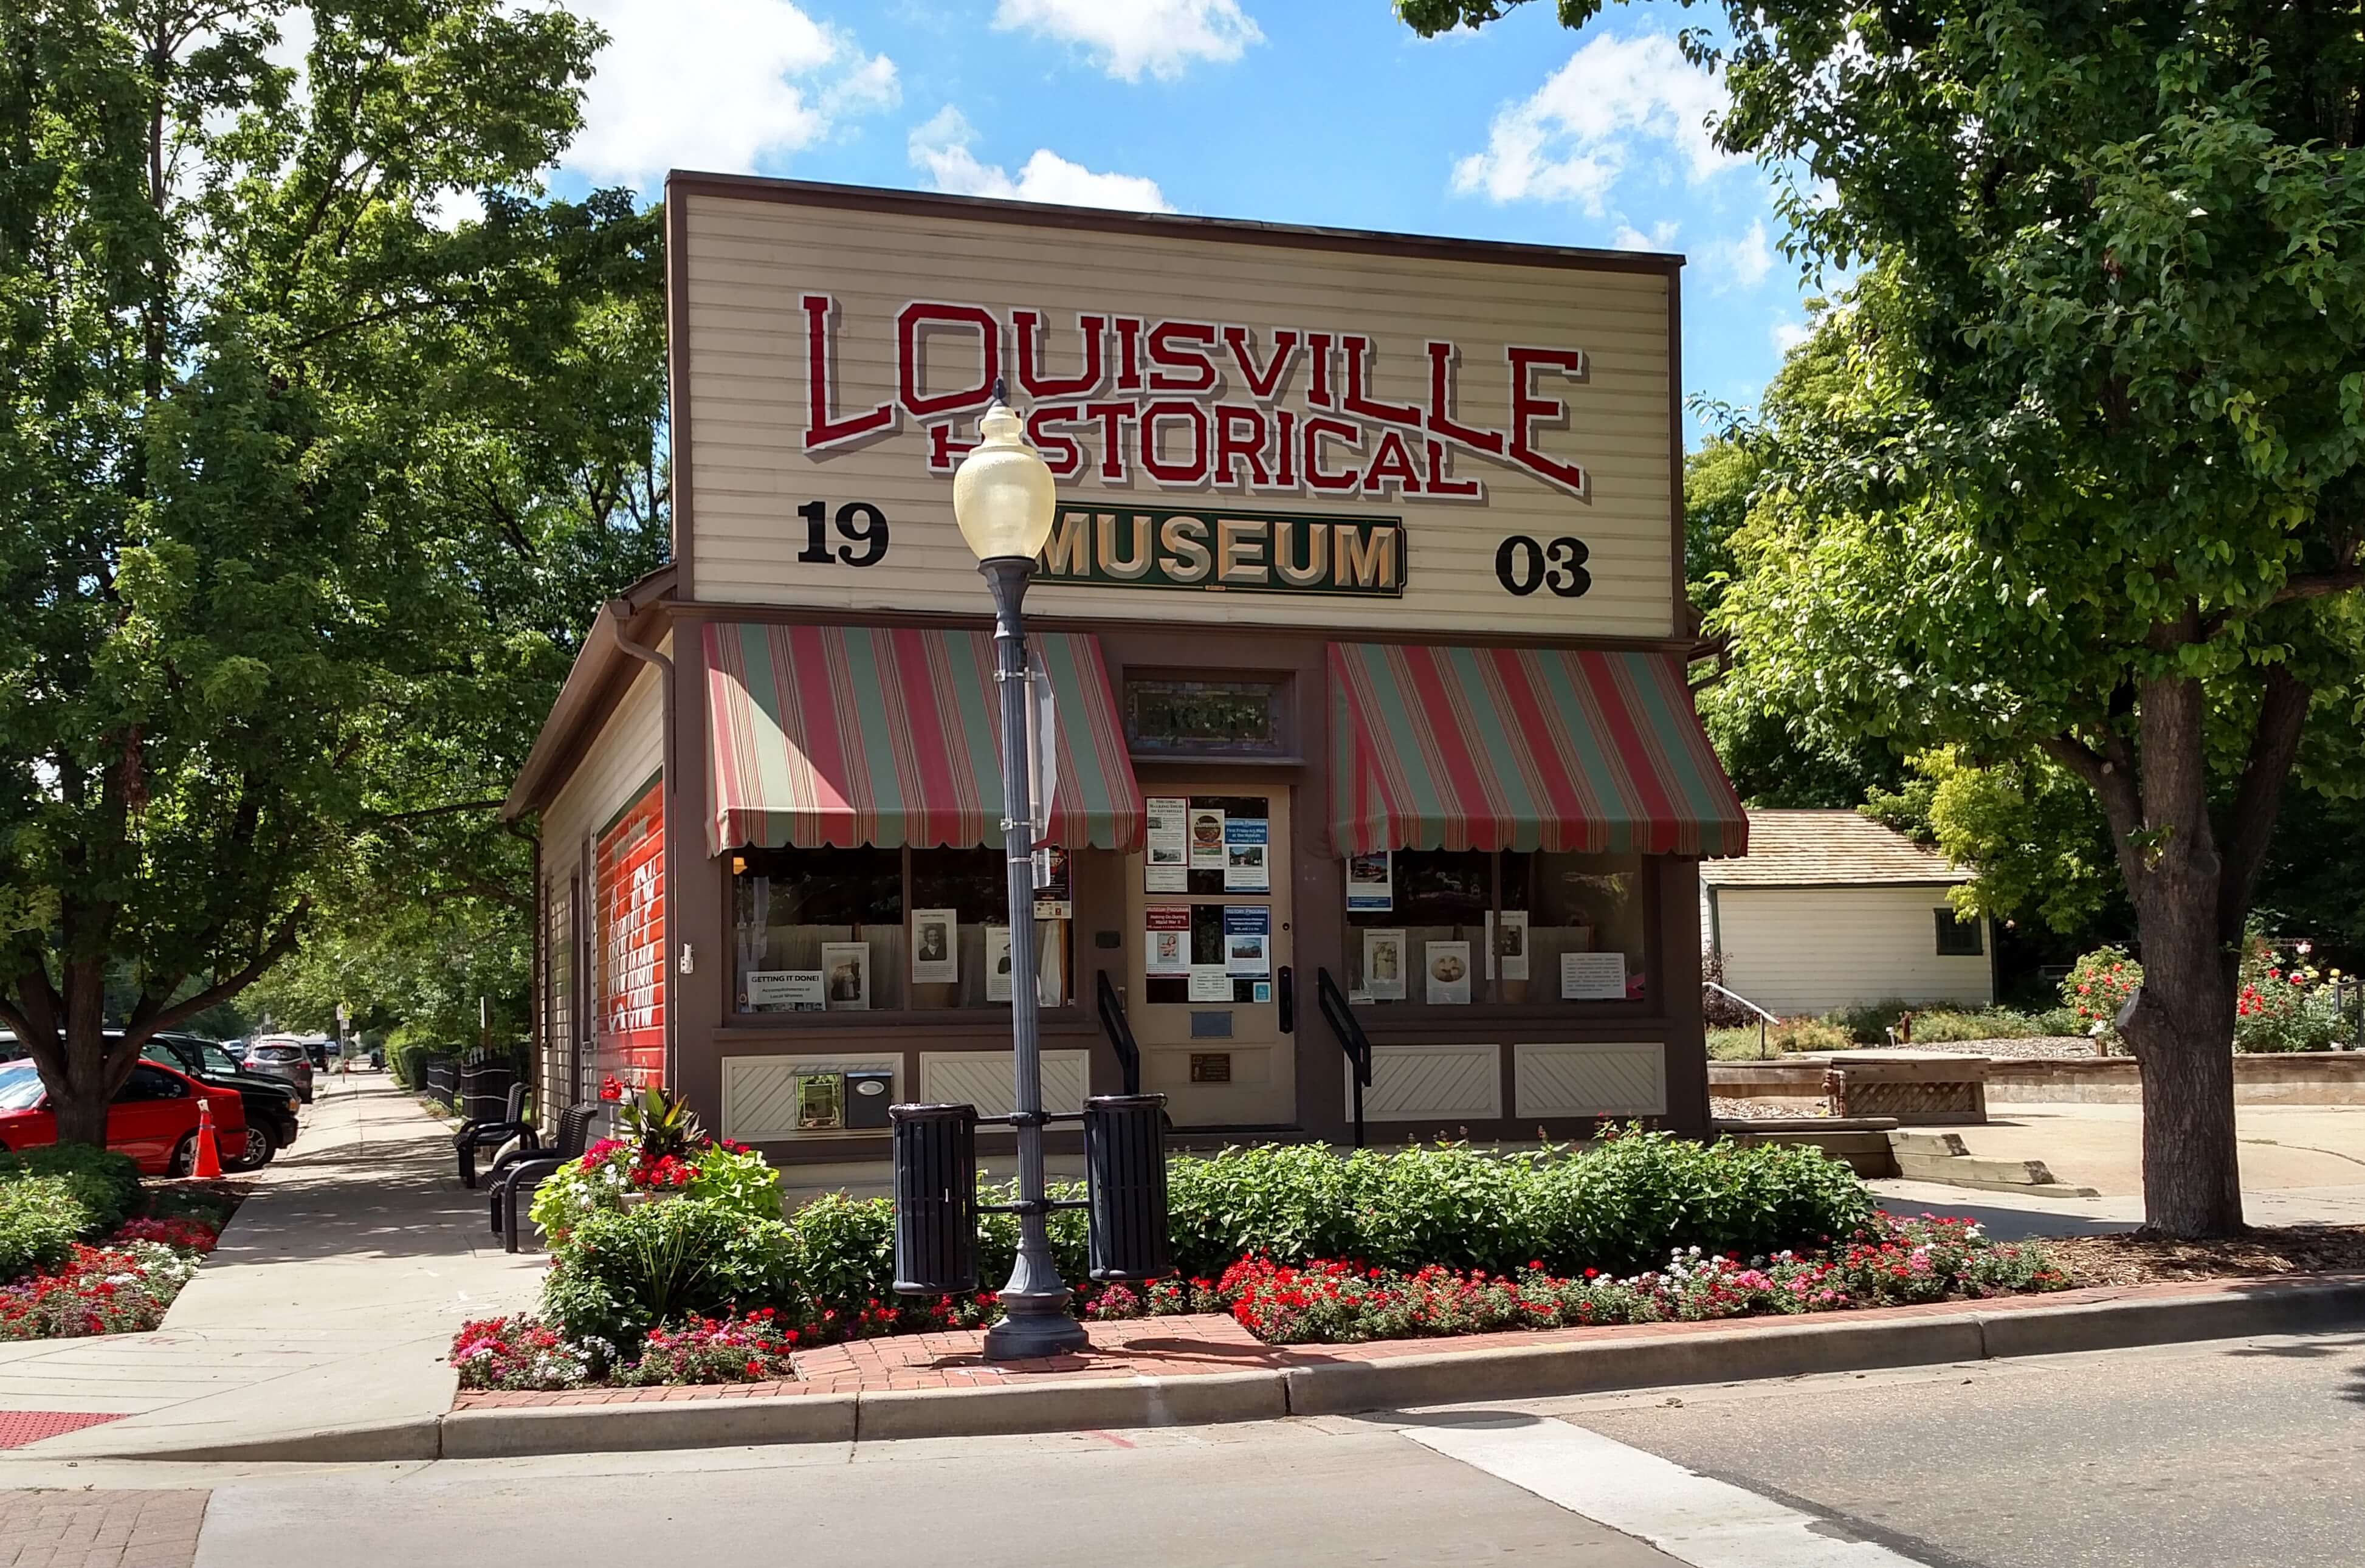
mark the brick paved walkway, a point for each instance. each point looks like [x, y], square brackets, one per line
[100, 1529]
[1154, 1349]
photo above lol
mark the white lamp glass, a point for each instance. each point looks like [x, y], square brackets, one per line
[1003, 495]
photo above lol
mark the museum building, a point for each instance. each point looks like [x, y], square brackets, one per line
[1363, 627]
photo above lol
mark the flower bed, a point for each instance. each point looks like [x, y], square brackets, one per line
[1893, 1262]
[121, 1286]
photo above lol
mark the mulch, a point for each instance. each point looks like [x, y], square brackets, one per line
[2136, 1260]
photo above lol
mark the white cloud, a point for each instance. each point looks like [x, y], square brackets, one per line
[1742, 261]
[1661, 237]
[717, 85]
[1125, 38]
[1573, 138]
[941, 149]
[1788, 335]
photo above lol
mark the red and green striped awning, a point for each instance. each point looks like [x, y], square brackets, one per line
[1522, 748]
[845, 736]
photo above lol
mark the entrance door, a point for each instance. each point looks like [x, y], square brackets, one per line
[1208, 917]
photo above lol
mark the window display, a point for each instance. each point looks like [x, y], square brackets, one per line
[864, 929]
[1458, 927]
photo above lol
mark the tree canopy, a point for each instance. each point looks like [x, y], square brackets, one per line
[2096, 489]
[247, 361]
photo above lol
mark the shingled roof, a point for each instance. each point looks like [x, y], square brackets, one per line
[1829, 849]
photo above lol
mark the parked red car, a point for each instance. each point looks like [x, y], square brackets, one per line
[154, 1119]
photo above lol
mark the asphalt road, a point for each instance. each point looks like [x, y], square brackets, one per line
[2231, 1453]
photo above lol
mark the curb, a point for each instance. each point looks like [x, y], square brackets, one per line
[1779, 1348]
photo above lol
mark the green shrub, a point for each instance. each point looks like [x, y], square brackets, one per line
[660, 1261]
[104, 1182]
[40, 1219]
[2057, 1021]
[1869, 1023]
[1810, 1034]
[1945, 1026]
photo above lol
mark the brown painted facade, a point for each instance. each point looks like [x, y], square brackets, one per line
[635, 706]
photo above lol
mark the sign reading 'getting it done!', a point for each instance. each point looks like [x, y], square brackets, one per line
[1276, 427]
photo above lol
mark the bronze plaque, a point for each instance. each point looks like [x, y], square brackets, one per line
[1211, 1066]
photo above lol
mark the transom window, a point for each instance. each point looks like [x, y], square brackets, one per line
[1205, 718]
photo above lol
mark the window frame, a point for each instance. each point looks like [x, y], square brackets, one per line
[1946, 920]
[1420, 1015]
[1070, 1018]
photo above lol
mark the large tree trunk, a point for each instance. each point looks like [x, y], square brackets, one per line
[2182, 1034]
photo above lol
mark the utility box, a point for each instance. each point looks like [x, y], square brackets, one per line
[868, 1095]
[935, 1199]
[1125, 1155]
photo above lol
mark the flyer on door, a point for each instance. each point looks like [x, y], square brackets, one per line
[1246, 867]
[1248, 939]
[1166, 859]
[1207, 839]
[1167, 939]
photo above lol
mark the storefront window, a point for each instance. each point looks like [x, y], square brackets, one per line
[866, 930]
[1203, 717]
[1435, 928]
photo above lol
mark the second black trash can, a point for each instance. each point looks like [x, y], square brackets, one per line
[1124, 1147]
[935, 1199]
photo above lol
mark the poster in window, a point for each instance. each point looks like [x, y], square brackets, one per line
[997, 963]
[845, 975]
[1166, 861]
[1593, 977]
[1207, 839]
[1248, 939]
[1370, 888]
[1246, 869]
[1446, 966]
[1210, 983]
[629, 907]
[936, 947]
[1512, 943]
[786, 991]
[1053, 901]
[1384, 964]
[1166, 940]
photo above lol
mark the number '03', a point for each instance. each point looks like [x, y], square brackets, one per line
[862, 525]
[1523, 565]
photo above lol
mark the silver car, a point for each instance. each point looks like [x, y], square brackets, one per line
[282, 1059]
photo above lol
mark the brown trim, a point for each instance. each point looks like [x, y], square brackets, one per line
[1679, 623]
[1161, 225]
[685, 549]
[1103, 626]
[1725, 887]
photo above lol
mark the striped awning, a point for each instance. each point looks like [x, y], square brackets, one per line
[845, 736]
[1522, 748]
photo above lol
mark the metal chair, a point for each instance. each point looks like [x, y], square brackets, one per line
[475, 1135]
[519, 1175]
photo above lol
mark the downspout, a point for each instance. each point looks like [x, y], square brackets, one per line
[620, 612]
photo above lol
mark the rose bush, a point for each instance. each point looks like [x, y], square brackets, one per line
[2097, 986]
[612, 1171]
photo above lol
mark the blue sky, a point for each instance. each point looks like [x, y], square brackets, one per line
[1297, 111]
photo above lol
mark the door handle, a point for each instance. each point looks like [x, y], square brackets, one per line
[1287, 996]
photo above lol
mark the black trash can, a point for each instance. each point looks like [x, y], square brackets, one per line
[935, 1199]
[1125, 1156]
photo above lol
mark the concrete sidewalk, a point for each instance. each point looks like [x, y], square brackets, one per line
[329, 1303]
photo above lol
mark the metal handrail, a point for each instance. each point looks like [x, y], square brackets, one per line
[1764, 1017]
[1351, 1038]
[1120, 1034]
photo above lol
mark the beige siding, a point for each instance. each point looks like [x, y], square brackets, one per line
[628, 750]
[748, 263]
[1806, 950]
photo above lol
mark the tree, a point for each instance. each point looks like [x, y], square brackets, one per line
[232, 331]
[2096, 490]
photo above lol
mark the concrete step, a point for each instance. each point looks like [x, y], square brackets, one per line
[1944, 1146]
[1986, 1175]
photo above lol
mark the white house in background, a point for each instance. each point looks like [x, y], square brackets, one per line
[1830, 910]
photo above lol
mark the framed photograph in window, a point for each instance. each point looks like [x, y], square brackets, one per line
[846, 976]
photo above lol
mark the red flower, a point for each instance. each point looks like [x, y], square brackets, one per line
[611, 1089]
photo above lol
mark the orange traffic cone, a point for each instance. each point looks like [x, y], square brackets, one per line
[208, 1163]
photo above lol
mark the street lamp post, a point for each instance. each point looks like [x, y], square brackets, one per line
[1005, 501]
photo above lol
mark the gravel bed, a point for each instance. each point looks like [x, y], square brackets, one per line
[2131, 1260]
[2052, 1047]
[1766, 1110]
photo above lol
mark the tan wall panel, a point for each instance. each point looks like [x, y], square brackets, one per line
[1812, 949]
[748, 263]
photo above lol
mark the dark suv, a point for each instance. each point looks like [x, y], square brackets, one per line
[270, 1102]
